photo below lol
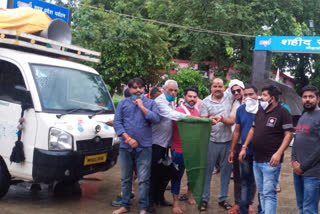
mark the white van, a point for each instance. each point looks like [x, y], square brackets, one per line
[63, 129]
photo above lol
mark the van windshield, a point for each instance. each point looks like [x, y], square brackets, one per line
[63, 89]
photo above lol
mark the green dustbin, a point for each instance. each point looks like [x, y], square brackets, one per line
[195, 134]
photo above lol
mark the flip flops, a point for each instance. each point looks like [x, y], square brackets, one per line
[225, 205]
[204, 206]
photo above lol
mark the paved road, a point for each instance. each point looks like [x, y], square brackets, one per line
[100, 189]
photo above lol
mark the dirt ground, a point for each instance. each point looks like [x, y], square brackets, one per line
[100, 189]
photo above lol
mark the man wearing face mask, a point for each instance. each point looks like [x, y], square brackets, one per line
[244, 119]
[161, 140]
[270, 135]
[306, 153]
[133, 120]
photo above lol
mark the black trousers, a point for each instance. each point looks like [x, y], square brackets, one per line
[159, 179]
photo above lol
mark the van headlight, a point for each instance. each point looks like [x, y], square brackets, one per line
[59, 140]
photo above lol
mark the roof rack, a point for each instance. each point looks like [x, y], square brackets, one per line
[31, 43]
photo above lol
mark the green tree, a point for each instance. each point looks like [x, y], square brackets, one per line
[129, 47]
[249, 17]
[187, 77]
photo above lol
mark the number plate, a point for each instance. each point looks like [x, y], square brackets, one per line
[93, 159]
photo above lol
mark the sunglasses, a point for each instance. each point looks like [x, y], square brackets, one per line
[237, 90]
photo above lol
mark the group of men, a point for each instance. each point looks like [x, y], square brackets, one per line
[247, 135]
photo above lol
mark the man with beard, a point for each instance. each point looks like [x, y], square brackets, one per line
[244, 119]
[236, 87]
[133, 122]
[306, 153]
[270, 135]
[217, 106]
[189, 108]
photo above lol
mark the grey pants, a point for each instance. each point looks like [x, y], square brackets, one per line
[218, 152]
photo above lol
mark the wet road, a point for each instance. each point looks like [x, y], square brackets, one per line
[100, 189]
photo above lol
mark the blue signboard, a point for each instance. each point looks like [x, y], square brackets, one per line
[54, 11]
[309, 44]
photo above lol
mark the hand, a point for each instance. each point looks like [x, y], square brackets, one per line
[296, 168]
[298, 171]
[230, 157]
[214, 121]
[242, 154]
[218, 118]
[109, 123]
[294, 164]
[133, 143]
[139, 103]
[275, 159]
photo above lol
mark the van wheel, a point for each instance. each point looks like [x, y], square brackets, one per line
[4, 178]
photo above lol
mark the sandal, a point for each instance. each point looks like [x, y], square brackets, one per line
[225, 205]
[204, 206]
[183, 197]
[233, 211]
[251, 210]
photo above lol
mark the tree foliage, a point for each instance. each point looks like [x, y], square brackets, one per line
[132, 47]
[129, 48]
[187, 77]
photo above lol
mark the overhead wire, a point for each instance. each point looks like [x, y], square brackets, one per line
[196, 29]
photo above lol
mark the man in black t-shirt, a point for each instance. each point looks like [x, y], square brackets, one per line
[270, 135]
[306, 153]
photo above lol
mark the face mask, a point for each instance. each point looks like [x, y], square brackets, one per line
[188, 105]
[251, 105]
[135, 97]
[265, 104]
[170, 98]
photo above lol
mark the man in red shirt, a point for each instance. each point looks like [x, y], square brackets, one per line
[189, 108]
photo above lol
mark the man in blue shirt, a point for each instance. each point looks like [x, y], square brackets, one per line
[244, 118]
[133, 122]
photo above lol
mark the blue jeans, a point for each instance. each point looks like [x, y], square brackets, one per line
[266, 178]
[218, 152]
[248, 186]
[176, 182]
[307, 193]
[143, 163]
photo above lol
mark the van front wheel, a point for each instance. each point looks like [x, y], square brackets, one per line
[4, 178]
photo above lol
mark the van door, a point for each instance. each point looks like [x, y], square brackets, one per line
[10, 112]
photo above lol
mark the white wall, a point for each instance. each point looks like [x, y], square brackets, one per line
[3, 4]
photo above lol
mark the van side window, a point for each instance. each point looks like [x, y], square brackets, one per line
[10, 76]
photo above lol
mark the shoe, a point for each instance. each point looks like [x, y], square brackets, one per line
[204, 206]
[117, 202]
[183, 197]
[132, 195]
[225, 205]
[151, 209]
[165, 203]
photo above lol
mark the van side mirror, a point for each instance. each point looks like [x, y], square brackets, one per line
[24, 96]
